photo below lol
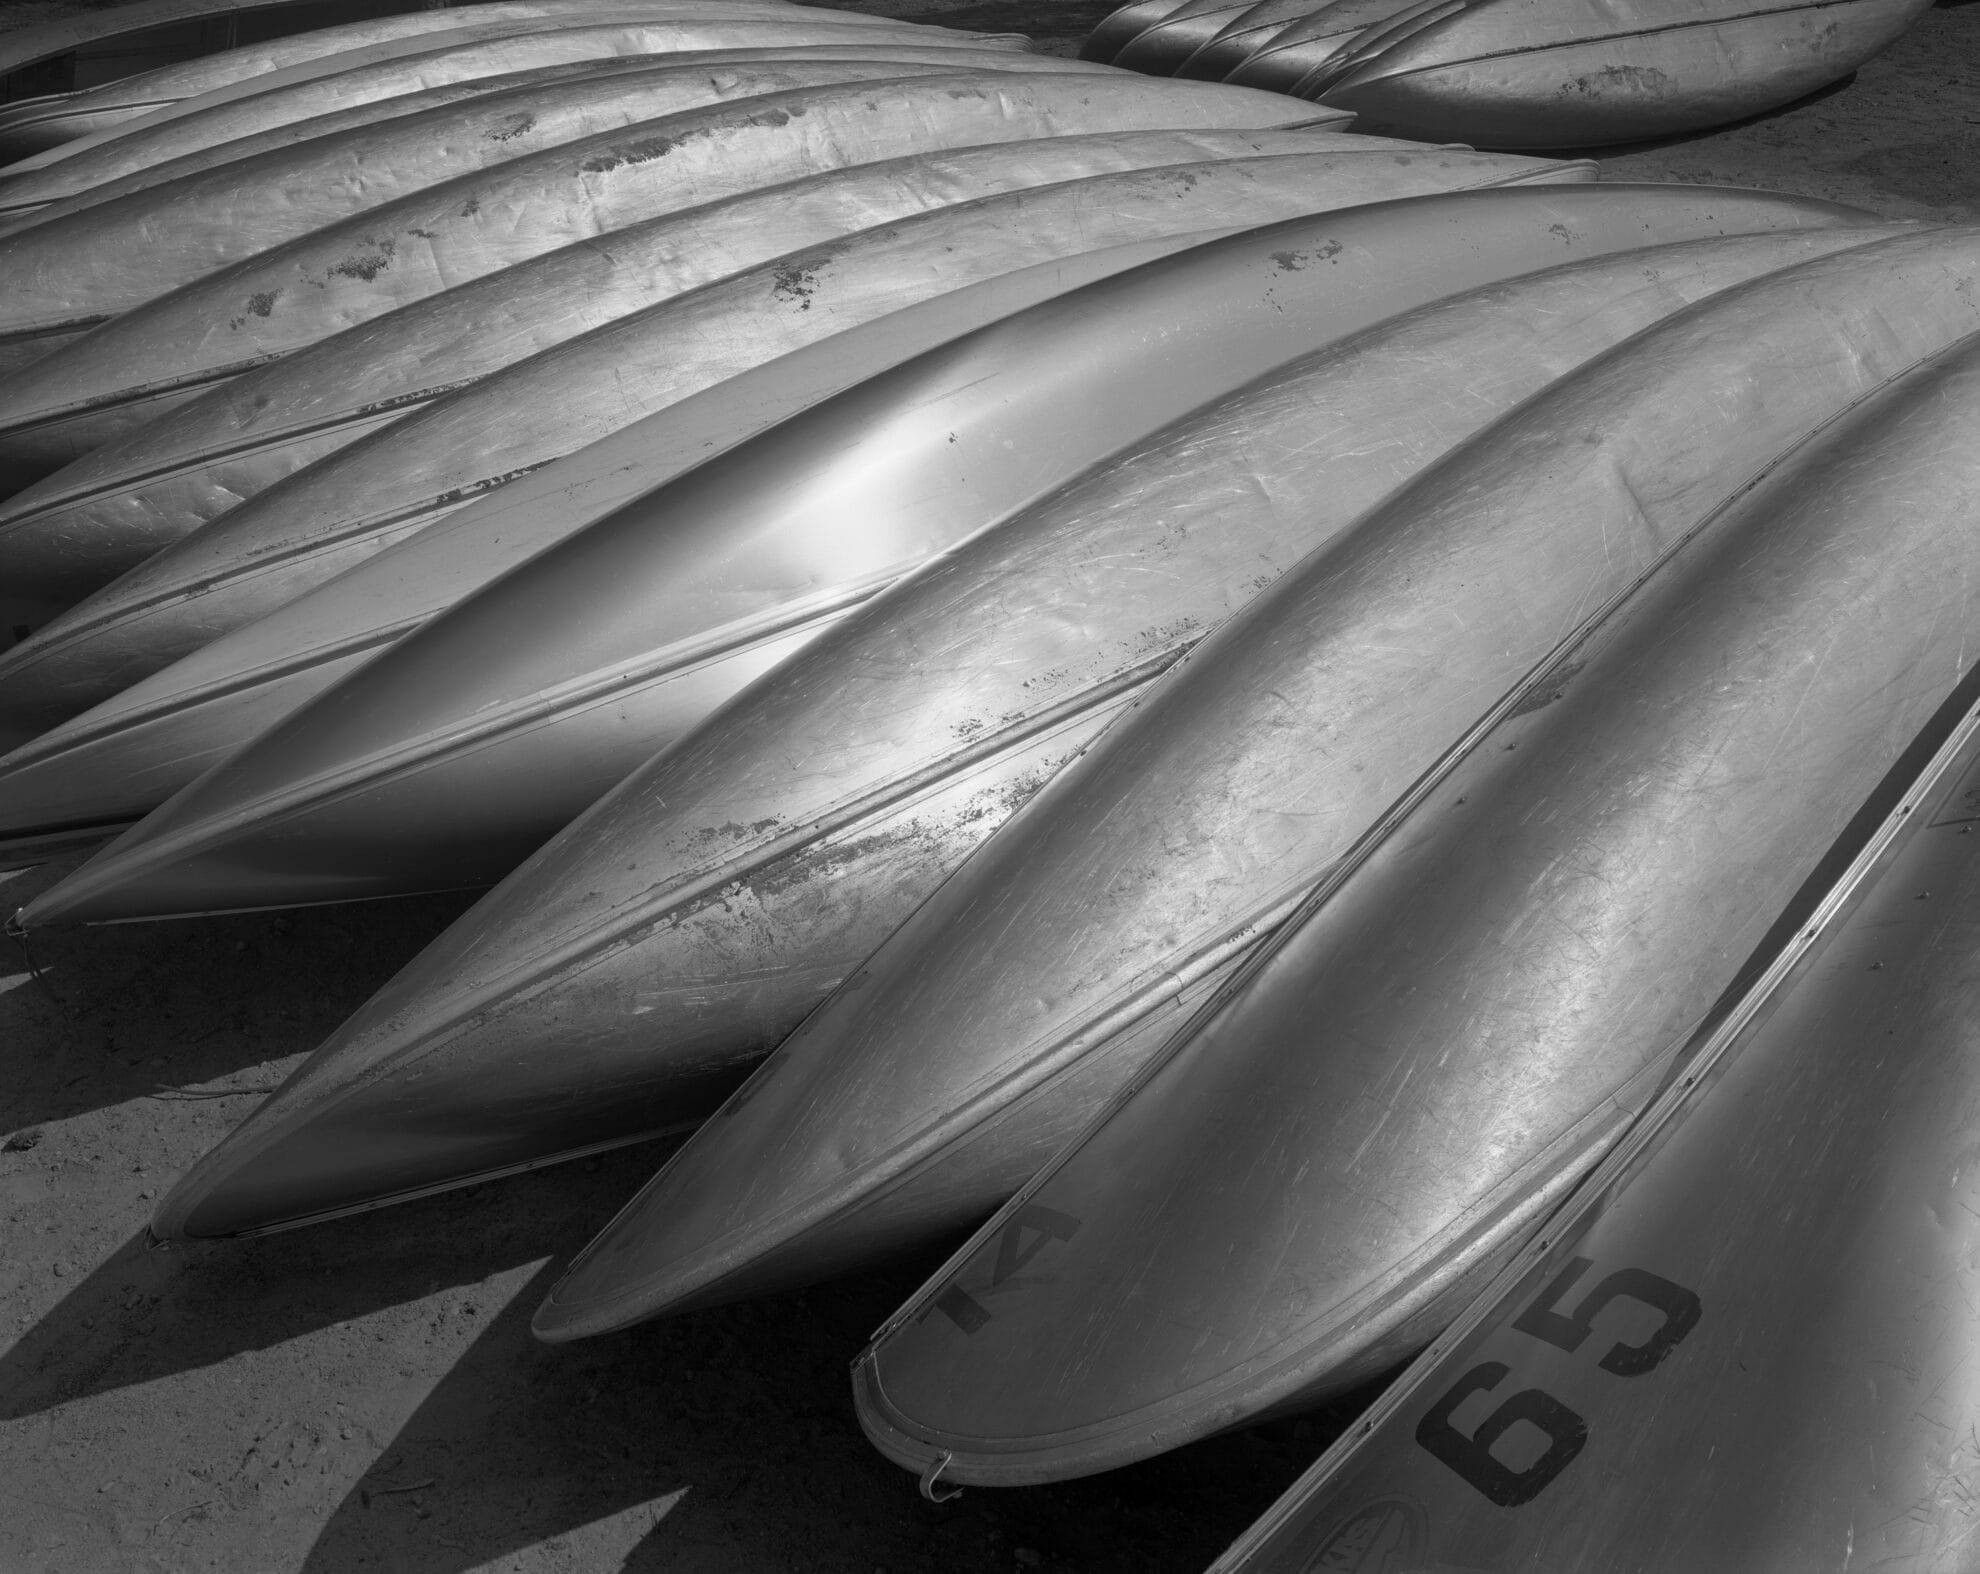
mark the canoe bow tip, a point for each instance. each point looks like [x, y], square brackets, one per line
[583, 1306]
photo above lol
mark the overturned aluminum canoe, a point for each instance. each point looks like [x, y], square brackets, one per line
[987, 1027]
[1159, 48]
[1314, 1177]
[148, 31]
[517, 56]
[387, 485]
[1118, 26]
[71, 273]
[79, 528]
[177, 63]
[163, 732]
[1777, 1266]
[1242, 36]
[1299, 55]
[445, 235]
[488, 983]
[374, 54]
[697, 590]
[1543, 74]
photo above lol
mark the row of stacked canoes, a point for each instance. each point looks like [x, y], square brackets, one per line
[1514, 73]
[1234, 696]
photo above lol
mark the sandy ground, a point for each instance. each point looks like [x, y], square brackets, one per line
[365, 1395]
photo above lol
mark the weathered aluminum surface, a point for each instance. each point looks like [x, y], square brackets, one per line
[581, 978]
[1312, 1179]
[519, 55]
[76, 271]
[1295, 54]
[372, 54]
[1535, 74]
[1161, 47]
[79, 528]
[459, 230]
[680, 601]
[1374, 41]
[114, 43]
[1117, 27]
[30, 46]
[1247, 32]
[164, 731]
[1777, 1265]
[387, 485]
[29, 127]
[984, 1030]
[151, 360]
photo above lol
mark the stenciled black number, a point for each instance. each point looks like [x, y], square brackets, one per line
[1472, 1457]
[1680, 1307]
[1032, 1228]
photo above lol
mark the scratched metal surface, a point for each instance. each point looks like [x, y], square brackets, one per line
[1308, 180]
[160, 35]
[40, 132]
[1117, 27]
[539, 16]
[1522, 73]
[125, 756]
[1031, 982]
[665, 915]
[1761, 1308]
[441, 235]
[1158, 48]
[1248, 32]
[1527, 73]
[1312, 57]
[854, 521]
[71, 272]
[492, 59]
[1420, 1063]
[296, 534]
[103, 513]
[534, 1488]
[798, 807]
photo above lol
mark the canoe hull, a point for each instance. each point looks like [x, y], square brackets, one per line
[1802, 1377]
[1447, 81]
[1086, 912]
[610, 961]
[1590, 878]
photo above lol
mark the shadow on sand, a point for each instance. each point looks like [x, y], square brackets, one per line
[729, 1437]
[147, 1312]
[92, 1018]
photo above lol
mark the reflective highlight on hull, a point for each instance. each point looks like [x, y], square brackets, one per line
[1501, 977]
[816, 520]
[284, 222]
[73, 786]
[358, 500]
[990, 1024]
[514, 57]
[113, 85]
[1777, 1264]
[634, 974]
[1521, 76]
[76, 530]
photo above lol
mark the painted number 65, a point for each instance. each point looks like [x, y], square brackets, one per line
[1566, 1432]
